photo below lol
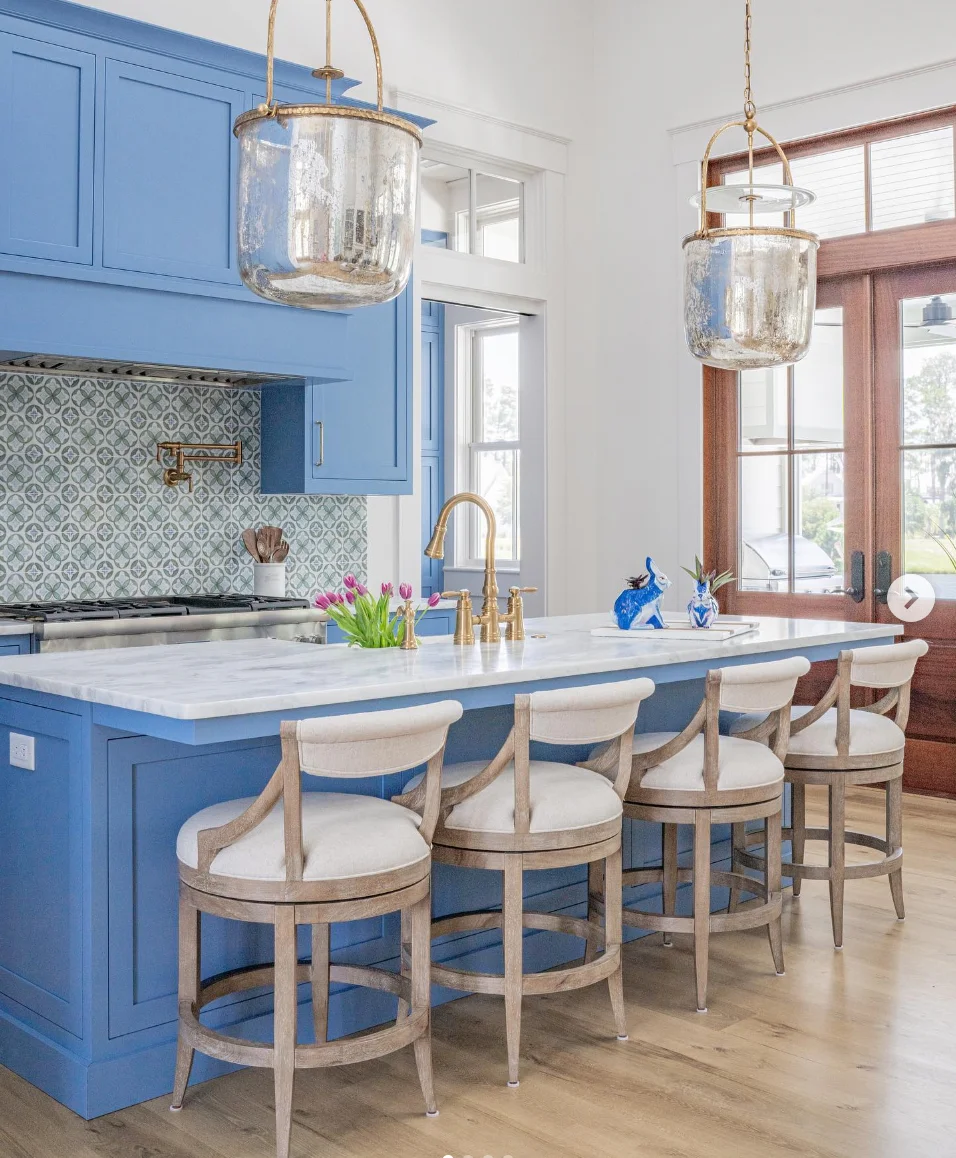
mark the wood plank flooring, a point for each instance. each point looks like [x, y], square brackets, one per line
[850, 1055]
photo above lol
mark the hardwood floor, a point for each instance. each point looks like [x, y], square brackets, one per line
[849, 1054]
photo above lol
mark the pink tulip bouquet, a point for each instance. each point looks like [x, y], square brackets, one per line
[366, 620]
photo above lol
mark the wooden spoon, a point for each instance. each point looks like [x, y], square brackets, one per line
[281, 553]
[269, 539]
[249, 541]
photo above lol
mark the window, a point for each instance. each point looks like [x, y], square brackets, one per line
[489, 448]
[472, 212]
[894, 179]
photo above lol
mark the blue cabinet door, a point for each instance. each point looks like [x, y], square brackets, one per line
[169, 174]
[348, 434]
[15, 644]
[46, 150]
[41, 850]
[360, 426]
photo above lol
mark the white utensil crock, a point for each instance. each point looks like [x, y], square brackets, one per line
[268, 579]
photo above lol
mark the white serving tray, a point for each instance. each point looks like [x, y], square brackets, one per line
[680, 631]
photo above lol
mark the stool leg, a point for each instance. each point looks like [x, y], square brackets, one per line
[512, 912]
[420, 920]
[404, 946]
[701, 903]
[320, 981]
[798, 841]
[614, 936]
[774, 884]
[189, 975]
[738, 839]
[595, 888]
[669, 862]
[284, 1033]
[894, 839]
[837, 857]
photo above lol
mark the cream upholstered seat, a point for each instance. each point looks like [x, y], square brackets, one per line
[835, 745]
[740, 764]
[343, 837]
[563, 797]
[289, 858]
[870, 734]
[701, 778]
[514, 813]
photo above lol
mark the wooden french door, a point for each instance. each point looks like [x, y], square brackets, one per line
[915, 493]
[832, 477]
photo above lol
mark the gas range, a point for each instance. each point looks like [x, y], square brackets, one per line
[79, 624]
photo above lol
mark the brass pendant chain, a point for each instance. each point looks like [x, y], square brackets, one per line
[750, 109]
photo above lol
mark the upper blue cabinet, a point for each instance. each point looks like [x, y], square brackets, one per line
[118, 240]
[46, 142]
[169, 174]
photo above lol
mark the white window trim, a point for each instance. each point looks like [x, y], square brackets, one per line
[469, 547]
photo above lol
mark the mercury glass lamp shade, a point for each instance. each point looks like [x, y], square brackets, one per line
[327, 207]
[749, 296]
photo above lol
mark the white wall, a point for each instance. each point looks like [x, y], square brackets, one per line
[661, 67]
[513, 59]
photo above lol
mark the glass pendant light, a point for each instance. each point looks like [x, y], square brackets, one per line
[327, 194]
[749, 292]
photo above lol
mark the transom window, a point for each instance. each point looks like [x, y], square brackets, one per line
[894, 180]
[471, 211]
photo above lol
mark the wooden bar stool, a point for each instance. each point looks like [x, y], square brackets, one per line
[516, 813]
[836, 745]
[701, 778]
[288, 858]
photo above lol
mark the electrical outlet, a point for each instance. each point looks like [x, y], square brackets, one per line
[22, 752]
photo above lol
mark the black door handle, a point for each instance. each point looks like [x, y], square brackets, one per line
[857, 588]
[884, 575]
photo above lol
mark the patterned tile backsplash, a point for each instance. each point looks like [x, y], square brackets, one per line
[84, 512]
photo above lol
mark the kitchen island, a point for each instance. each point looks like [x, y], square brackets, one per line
[128, 743]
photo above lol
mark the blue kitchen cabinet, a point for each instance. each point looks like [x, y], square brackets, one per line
[169, 174]
[16, 644]
[351, 435]
[46, 142]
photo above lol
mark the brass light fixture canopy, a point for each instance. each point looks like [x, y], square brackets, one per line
[749, 291]
[327, 194]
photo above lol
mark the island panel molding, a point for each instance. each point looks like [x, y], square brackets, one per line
[84, 513]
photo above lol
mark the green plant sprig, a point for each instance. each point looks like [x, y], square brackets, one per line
[699, 575]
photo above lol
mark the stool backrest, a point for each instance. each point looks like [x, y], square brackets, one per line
[889, 666]
[373, 743]
[599, 714]
[365, 744]
[753, 687]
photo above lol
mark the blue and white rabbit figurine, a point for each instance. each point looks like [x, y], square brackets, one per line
[703, 608]
[640, 604]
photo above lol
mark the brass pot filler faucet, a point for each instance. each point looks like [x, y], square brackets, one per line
[491, 618]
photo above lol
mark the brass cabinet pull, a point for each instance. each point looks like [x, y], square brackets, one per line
[321, 426]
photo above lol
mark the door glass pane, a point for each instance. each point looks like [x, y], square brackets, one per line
[912, 179]
[929, 369]
[764, 503]
[839, 181]
[498, 397]
[497, 475]
[928, 377]
[818, 385]
[498, 217]
[763, 408]
[444, 198]
[818, 542]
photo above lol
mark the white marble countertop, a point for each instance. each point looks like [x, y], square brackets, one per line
[15, 627]
[205, 680]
